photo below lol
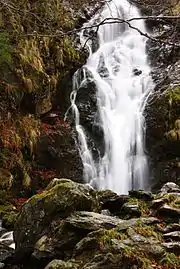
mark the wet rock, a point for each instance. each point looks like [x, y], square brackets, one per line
[86, 102]
[153, 249]
[171, 228]
[167, 211]
[112, 201]
[2, 230]
[173, 235]
[5, 253]
[106, 212]
[140, 194]
[136, 237]
[170, 187]
[92, 221]
[86, 244]
[137, 72]
[117, 245]
[158, 203]
[59, 264]
[7, 238]
[58, 242]
[106, 261]
[172, 247]
[131, 209]
[56, 150]
[59, 201]
[44, 249]
[125, 224]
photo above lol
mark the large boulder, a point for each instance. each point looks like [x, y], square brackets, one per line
[60, 199]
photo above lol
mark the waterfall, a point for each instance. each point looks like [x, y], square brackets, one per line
[117, 65]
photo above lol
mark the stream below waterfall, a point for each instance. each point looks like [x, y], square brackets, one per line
[118, 67]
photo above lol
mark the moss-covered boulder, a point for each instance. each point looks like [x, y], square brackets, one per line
[60, 199]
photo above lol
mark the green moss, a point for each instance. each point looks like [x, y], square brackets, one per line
[143, 206]
[69, 49]
[8, 215]
[176, 9]
[174, 94]
[5, 48]
[147, 231]
[174, 104]
[171, 260]
[9, 219]
[132, 200]
[136, 256]
[107, 235]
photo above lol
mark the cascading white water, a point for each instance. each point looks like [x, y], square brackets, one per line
[121, 74]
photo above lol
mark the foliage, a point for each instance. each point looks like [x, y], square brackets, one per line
[18, 138]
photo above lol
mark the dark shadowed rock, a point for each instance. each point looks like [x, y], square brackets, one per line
[5, 253]
[158, 203]
[112, 201]
[86, 244]
[172, 247]
[173, 235]
[144, 195]
[131, 210]
[171, 228]
[167, 211]
[56, 149]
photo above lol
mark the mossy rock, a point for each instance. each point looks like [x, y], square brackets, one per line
[59, 264]
[64, 197]
[8, 214]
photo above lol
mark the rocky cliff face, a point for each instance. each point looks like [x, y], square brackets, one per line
[162, 112]
[36, 65]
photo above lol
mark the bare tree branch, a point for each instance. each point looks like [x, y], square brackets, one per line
[110, 20]
[115, 21]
